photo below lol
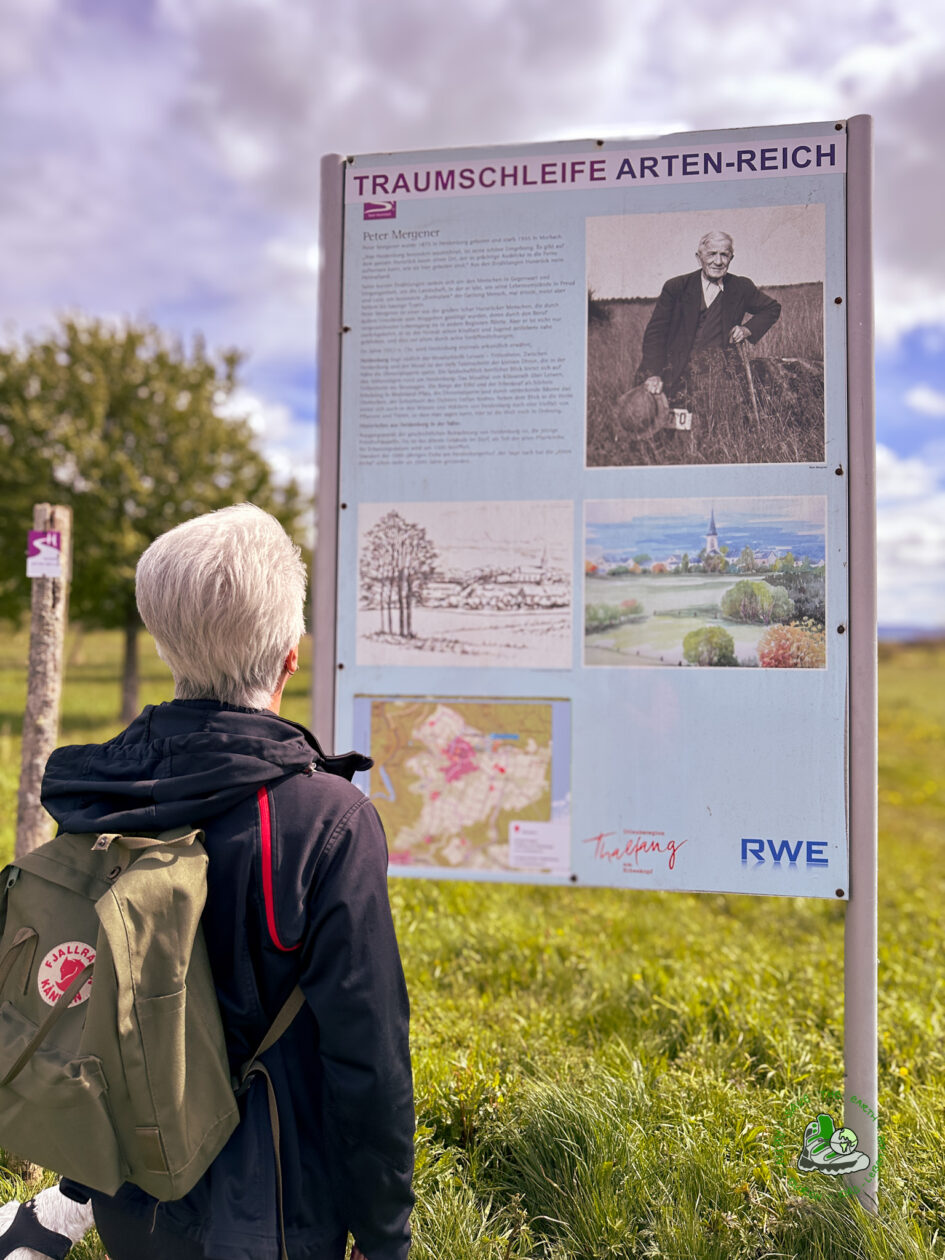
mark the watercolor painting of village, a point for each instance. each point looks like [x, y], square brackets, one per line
[705, 583]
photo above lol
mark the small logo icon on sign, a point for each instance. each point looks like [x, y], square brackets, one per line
[44, 553]
[60, 967]
[380, 210]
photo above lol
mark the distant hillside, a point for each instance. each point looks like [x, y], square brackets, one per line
[912, 634]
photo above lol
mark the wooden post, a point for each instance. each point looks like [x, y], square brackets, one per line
[49, 608]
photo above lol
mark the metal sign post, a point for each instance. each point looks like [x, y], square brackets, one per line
[330, 333]
[860, 1049]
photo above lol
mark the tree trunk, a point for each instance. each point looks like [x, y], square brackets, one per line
[49, 614]
[400, 603]
[129, 671]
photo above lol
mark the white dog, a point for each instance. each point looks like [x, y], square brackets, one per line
[52, 1211]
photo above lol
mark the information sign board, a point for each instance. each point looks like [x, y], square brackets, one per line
[584, 515]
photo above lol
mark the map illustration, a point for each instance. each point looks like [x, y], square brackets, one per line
[468, 783]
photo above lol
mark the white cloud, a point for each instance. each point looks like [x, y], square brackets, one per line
[910, 539]
[926, 400]
[25, 25]
[259, 91]
[899, 479]
[905, 300]
[272, 422]
[288, 464]
[288, 445]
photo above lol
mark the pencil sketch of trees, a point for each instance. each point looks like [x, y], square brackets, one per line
[469, 583]
[397, 560]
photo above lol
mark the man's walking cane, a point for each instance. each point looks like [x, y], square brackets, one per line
[746, 363]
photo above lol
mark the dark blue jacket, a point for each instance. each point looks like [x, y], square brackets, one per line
[297, 893]
[671, 331]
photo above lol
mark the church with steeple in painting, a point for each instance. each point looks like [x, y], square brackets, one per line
[712, 537]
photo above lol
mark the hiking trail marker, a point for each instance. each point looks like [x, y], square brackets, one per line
[48, 564]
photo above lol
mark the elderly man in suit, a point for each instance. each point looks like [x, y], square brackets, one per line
[699, 314]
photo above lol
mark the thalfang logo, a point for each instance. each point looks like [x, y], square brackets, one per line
[60, 967]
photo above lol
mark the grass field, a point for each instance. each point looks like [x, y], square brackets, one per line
[605, 1075]
[788, 428]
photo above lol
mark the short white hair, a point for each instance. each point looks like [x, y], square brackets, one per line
[224, 597]
[716, 236]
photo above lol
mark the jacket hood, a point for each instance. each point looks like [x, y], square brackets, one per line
[180, 762]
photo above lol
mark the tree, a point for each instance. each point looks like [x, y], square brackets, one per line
[397, 561]
[793, 647]
[605, 616]
[709, 646]
[684, 563]
[756, 602]
[715, 563]
[746, 560]
[641, 559]
[125, 425]
[806, 590]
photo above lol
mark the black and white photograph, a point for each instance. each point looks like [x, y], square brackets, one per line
[705, 337]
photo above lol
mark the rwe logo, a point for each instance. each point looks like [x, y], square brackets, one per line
[784, 850]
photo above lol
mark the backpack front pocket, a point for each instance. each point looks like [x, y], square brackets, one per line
[177, 1139]
[55, 1110]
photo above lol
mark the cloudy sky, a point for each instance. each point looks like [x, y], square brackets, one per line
[160, 159]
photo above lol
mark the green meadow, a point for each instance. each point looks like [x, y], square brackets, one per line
[673, 606]
[605, 1075]
[791, 428]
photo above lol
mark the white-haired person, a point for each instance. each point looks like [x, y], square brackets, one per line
[698, 315]
[297, 894]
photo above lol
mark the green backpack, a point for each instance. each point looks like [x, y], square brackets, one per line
[120, 1076]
